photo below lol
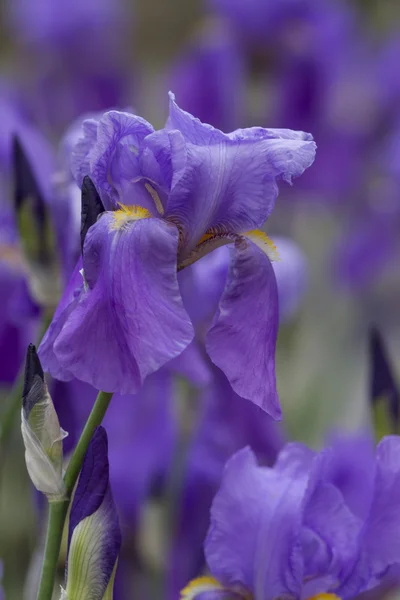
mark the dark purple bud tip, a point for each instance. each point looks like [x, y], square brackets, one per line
[93, 480]
[29, 203]
[33, 369]
[92, 207]
[382, 382]
[25, 184]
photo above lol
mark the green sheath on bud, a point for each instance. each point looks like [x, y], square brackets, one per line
[41, 432]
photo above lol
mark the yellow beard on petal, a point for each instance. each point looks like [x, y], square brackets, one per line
[126, 214]
[260, 239]
[199, 585]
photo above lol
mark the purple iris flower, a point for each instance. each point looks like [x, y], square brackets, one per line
[293, 534]
[367, 249]
[171, 197]
[94, 536]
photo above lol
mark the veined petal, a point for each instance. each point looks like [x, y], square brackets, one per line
[131, 319]
[94, 532]
[242, 339]
[110, 153]
[259, 549]
[230, 180]
[383, 522]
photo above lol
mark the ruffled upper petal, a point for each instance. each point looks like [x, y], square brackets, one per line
[260, 548]
[242, 340]
[131, 319]
[109, 153]
[230, 180]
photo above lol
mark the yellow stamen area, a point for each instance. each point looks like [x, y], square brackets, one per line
[324, 597]
[155, 197]
[199, 585]
[260, 239]
[125, 214]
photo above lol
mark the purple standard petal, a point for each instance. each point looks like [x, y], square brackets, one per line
[242, 339]
[259, 549]
[330, 531]
[229, 180]
[352, 469]
[109, 153]
[130, 320]
[382, 535]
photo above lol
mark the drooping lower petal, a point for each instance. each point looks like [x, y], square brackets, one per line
[131, 319]
[242, 339]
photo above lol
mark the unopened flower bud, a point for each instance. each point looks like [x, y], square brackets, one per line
[94, 537]
[41, 432]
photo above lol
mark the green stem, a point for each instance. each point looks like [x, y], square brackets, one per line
[95, 419]
[55, 526]
[58, 510]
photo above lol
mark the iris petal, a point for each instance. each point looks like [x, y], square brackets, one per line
[131, 320]
[230, 180]
[242, 339]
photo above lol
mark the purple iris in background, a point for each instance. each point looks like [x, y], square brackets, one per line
[225, 422]
[73, 57]
[215, 57]
[294, 535]
[369, 247]
[171, 196]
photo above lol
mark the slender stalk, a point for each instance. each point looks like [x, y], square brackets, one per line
[55, 526]
[58, 510]
[95, 418]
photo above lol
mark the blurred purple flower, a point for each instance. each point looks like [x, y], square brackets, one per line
[226, 423]
[369, 246]
[293, 533]
[197, 189]
[77, 54]
[209, 77]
